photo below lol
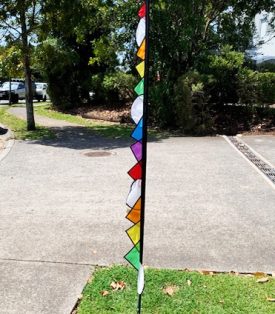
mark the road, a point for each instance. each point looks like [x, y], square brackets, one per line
[62, 212]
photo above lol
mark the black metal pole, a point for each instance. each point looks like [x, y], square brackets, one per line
[144, 137]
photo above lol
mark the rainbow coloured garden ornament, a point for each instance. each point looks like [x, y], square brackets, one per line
[136, 198]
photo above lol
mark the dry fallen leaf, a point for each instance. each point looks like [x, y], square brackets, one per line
[104, 293]
[206, 272]
[189, 282]
[270, 299]
[113, 285]
[259, 274]
[119, 285]
[263, 280]
[170, 290]
[273, 274]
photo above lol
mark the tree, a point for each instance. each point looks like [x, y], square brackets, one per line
[75, 44]
[10, 63]
[18, 21]
[183, 35]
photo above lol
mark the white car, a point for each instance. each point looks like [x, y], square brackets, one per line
[17, 91]
[41, 91]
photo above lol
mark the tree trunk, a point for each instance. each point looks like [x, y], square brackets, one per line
[27, 69]
[10, 92]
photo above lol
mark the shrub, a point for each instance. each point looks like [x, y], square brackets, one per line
[222, 71]
[119, 87]
[247, 89]
[256, 88]
[161, 110]
[192, 110]
[266, 88]
[68, 86]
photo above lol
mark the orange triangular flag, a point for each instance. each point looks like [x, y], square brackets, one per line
[141, 51]
[135, 213]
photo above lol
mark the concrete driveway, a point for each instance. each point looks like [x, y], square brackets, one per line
[62, 212]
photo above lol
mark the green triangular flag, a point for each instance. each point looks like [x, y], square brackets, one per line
[133, 256]
[140, 88]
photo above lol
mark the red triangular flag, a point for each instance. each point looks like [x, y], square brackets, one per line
[142, 11]
[136, 172]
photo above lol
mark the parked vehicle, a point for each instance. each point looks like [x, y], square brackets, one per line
[17, 90]
[41, 91]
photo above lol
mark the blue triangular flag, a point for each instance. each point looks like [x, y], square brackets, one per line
[137, 133]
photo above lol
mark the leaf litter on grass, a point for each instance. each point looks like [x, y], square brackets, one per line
[218, 293]
[119, 285]
[170, 290]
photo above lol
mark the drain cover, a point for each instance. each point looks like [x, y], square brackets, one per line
[265, 168]
[98, 154]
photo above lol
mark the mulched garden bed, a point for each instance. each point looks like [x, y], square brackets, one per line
[121, 115]
[229, 122]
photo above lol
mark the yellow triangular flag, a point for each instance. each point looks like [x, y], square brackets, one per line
[134, 233]
[140, 68]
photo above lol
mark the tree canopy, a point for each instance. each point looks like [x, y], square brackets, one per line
[18, 22]
[198, 46]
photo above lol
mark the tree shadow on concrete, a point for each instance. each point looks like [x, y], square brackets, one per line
[81, 138]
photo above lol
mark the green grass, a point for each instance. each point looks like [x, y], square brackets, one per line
[218, 294]
[19, 127]
[104, 128]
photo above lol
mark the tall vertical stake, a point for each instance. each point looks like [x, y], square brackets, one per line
[144, 138]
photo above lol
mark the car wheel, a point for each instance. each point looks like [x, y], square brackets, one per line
[45, 98]
[15, 99]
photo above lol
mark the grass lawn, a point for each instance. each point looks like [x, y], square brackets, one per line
[104, 128]
[19, 127]
[190, 292]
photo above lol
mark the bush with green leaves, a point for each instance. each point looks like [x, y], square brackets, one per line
[58, 64]
[247, 89]
[192, 110]
[113, 88]
[161, 107]
[256, 88]
[119, 87]
[222, 70]
[266, 88]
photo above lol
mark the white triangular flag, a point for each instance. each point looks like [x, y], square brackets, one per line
[134, 194]
[141, 29]
[137, 109]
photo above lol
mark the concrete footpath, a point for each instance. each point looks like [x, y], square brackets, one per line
[2, 144]
[62, 212]
[6, 141]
